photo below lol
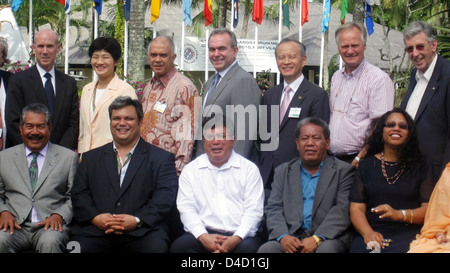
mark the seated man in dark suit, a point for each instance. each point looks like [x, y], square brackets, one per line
[308, 209]
[124, 190]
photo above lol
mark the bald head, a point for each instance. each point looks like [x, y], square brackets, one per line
[45, 47]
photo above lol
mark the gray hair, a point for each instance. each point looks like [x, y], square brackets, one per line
[37, 108]
[316, 121]
[233, 39]
[122, 101]
[416, 28]
[301, 45]
[350, 25]
[4, 52]
[169, 39]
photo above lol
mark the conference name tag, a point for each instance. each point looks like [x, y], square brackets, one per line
[160, 107]
[294, 112]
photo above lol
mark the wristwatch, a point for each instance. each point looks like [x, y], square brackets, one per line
[317, 239]
[138, 222]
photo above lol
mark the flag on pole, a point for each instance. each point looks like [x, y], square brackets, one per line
[326, 15]
[16, 5]
[126, 9]
[62, 2]
[187, 12]
[344, 9]
[286, 20]
[67, 7]
[369, 20]
[154, 10]
[207, 12]
[305, 15]
[258, 11]
[235, 13]
[97, 4]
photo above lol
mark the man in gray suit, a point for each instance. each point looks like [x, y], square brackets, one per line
[233, 89]
[35, 182]
[308, 209]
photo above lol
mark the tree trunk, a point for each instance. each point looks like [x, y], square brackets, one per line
[223, 14]
[359, 11]
[247, 13]
[136, 64]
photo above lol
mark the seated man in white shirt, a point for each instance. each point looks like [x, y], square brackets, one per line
[220, 197]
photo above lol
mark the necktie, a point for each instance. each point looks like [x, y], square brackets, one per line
[285, 103]
[50, 93]
[213, 85]
[33, 170]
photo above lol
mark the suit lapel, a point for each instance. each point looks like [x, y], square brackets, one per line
[136, 161]
[295, 101]
[21, 163]
[110, 165]
[296, 192]
[325, 178]
[50, 162]
[222, 84]
[59, 98]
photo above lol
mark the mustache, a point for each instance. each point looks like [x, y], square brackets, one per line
[35, 137]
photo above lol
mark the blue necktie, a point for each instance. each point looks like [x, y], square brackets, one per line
[50, 93]
[213, 85]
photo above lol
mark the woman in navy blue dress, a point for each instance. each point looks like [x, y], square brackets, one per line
[391, 189]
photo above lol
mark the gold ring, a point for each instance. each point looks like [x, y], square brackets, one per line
[386, 208]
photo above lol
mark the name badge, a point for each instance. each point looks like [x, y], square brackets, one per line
[160, 107]
[294, 112]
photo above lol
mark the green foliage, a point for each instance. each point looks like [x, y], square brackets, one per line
[264, 79]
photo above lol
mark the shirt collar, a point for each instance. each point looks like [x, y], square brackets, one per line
[306, 172]
[225, 71]
[42, 152]
[42, 71]
[132, 150]
[166, 78]
[295, 84]
[355, 72]
[429, 72]
[233, 161]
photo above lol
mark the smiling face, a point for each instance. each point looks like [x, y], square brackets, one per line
[217, 147]
[125, 125]
[420, 51]
[395, 131]
[35, 132]
[103, 64]
[221, 54]
[312, 145]
[351, 48]
[290, 61]
[160, 56]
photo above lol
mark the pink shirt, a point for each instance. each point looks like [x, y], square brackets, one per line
[355, 100]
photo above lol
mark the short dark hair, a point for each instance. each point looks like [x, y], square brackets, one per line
[109, 44]
[219, 120]
[233, 39]
[316, 121]
[285, 40]
[37, 108]
[123, 101]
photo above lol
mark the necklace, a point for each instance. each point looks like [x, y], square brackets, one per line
[391, 180]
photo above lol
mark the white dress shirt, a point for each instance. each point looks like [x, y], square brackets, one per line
[229, 199]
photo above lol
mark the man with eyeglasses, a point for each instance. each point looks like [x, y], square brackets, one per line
[360, 92]
[168, 102]
[427, 99]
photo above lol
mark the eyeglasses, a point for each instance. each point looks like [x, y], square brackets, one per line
[419, 47]
[401, 125]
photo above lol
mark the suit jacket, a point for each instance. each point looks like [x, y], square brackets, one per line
[95, 132]
[5, 75]
[237, 87]
[433, 117]
[52, 192]
[148, 191]
[26, 87]
[313, 102]
[330, 212]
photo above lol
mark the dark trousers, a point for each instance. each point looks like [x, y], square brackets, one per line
[153, 242]
[187, 243]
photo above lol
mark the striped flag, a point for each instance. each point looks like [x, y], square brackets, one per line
[207, 12]
[67, 7]
[235, 13]
[97, 4]
[344, 9]
[16, 5]
[286, 20]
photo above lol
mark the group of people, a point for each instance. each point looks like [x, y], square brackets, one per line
[174, 172]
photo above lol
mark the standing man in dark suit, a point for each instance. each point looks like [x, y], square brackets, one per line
[308, 209]
[35, 182]
[4, 79]
[124, 190]
[297, 98]
[231, 87]
[427, 99]
[30, 86]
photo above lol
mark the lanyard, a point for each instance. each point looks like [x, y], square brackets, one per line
[119, 161]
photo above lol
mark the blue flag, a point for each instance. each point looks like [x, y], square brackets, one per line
[16, 5]
[98, 6]
[235, 13]
[369, 20]
[126, 9]
[187, 12]
[67, 7]
[326, 15]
